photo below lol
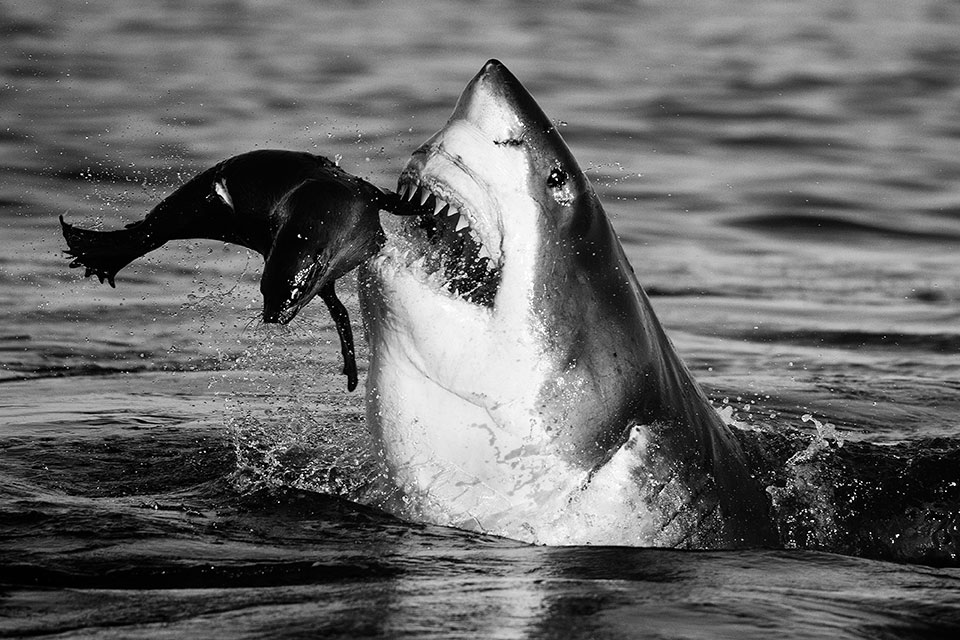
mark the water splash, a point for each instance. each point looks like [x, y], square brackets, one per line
[804, 500]
[827, 437]
[289, 429]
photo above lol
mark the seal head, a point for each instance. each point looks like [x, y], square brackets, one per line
[327, 226]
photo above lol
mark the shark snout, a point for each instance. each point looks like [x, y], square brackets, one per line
[496, 104]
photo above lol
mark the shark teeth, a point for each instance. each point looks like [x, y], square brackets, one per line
[451, 252]
[417, 193]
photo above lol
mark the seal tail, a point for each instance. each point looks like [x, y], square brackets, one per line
[104, 253]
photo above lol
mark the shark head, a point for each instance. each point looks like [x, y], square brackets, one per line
[500, 188]
[495, 184]
[512, 351]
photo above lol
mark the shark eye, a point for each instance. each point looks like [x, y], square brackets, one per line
[558, 178]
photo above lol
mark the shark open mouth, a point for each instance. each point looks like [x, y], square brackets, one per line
[444, 243]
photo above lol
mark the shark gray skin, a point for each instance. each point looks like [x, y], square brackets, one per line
[520, 383]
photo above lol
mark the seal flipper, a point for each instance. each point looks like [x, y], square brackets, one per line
[104, 253]
[340, 317]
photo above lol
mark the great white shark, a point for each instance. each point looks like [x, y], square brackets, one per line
[519, 382]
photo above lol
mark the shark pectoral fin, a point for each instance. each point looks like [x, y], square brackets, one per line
[342, 319]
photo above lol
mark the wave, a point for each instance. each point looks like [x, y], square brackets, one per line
[828, 227]
[883, 502]
[945, 343]
[200, 575]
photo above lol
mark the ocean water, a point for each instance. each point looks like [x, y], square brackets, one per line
[785, 179]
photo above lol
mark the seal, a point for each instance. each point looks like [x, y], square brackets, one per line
[310, 220]
[520, 382]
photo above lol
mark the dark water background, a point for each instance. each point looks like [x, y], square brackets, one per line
[785, 177]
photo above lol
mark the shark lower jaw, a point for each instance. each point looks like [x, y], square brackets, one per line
[440, 243]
